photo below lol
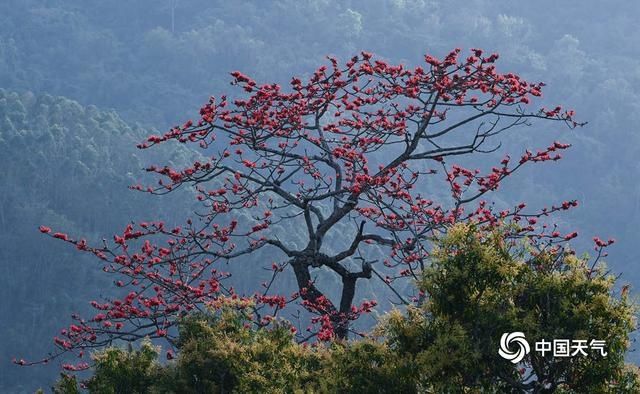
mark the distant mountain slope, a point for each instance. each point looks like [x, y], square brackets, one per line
[66, 166]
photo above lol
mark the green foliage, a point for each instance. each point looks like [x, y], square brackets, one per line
[67, 384]
[477, 287]
[367, 367]
[222, 355]
[119, 371]
[481, 286]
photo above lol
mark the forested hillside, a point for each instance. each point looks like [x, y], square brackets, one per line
[84, 81]
[68, 166]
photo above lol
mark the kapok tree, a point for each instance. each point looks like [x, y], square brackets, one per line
[343, 151]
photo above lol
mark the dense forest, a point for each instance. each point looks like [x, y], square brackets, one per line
[83, 82]
[57, 154]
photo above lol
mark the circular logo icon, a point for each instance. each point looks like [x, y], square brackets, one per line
[517, 339]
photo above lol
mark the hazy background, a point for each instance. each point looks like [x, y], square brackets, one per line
[83, 80]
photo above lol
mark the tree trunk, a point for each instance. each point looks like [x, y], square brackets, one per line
[309, 292]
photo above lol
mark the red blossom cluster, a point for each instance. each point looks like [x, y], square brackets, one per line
[347, 151]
